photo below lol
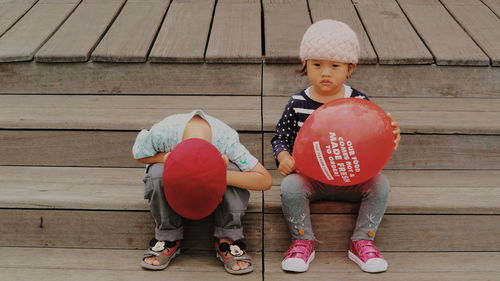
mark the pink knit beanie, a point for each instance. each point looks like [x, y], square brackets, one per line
[330, 40]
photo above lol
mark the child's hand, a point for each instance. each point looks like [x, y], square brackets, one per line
[287, 165]
[164, 156]
[396, 131]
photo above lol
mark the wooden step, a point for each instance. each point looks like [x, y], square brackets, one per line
[30, 264]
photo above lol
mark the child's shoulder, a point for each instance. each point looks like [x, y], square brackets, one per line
[358, 94]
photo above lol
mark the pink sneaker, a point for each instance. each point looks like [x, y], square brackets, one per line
[367, 256]
[298, 256]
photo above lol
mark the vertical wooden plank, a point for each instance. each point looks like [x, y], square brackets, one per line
[79, 35]
[444, 37]
[235, 35]
[343, 10]
[494, 5]
[392, 36]
[184, 34]
[11, 11]
[131, 35]
[22, 41]
[480, 23]
[285, 21]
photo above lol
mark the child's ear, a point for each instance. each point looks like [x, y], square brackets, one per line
[350, 69]
[303, 62]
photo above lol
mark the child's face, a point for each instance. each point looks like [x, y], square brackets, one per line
[328, 77]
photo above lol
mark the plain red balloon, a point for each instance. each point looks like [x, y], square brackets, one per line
[344, 142]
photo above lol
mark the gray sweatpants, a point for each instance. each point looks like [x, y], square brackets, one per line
[297, 191]
[227, 216]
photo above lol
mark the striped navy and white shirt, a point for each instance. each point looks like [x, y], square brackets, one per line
[297, 110]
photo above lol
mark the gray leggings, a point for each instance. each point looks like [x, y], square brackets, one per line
[298, 190]
[227, 216]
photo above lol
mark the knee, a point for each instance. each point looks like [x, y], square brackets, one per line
[380, 186]
[294, 185]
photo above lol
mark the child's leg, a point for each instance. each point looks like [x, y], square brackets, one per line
[168, 223]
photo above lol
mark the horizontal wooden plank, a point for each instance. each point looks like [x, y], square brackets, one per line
[285, 22]
[81, 32]
[81, 148]
[115, 112]
[420, 115]
[184, 33]
[131, 36]
[22, 41]
[397, 81]
[412, 276]
[423, 233]
[110, 230]
[393, 37]
[119, 78]
[80, 188]
[469, 152]
[189, 263]
[447, 41]
[344, 11]
[11, 11]
[411, 200]
[494, 5]
[480, 23]
[235, 36]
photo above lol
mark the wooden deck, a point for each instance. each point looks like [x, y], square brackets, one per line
[80, 78]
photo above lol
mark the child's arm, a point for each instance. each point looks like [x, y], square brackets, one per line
[282, 142]
[257, 178]
[158, 158]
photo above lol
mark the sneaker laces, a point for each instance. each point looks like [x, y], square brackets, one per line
[367, 249]
[300, 249]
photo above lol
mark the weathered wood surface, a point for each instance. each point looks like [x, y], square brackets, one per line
[420, 115]
[285, 22]
[424, 233]
[343, 10]
[447, 41]
[124, 79]
[122, 112]
[469, 152]
[184, 33]
[118, 189]
[11, 11]
[81, 32]
[402, 266]
[130, 37]
[22, 41]
[480, 23]
[110, 229]
[236, 33]
[393, 37]
[55, 263]
[494, 5]
[81, 148]
[396, 81]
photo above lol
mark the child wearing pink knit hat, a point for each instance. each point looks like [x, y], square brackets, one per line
[329, 53]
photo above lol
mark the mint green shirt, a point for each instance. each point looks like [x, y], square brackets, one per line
[166, 134]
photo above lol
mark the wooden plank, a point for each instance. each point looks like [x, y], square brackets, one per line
[79, 35]
[469, 152]
[400, 263]
[195, 262]
[423, 233]
[120, 78]
[80, 188]
[396, 81]
[22, 41]
[480, 23]
[494, 5]
[110, 230]
[392, 35]
[114, 112]
[420, 115]
[82, 148]
[184, 33]
[285, 22]
[433, 199]
[130, 37]
[235, 35]
[343, 10]
[387, 276]
[447, 41]
[11, 11]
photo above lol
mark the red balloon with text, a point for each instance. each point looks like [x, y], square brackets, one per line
[344, 142]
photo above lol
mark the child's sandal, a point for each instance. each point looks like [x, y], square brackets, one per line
[230, 254]
[163, 257]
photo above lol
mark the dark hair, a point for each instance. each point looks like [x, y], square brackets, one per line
[302, 71]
